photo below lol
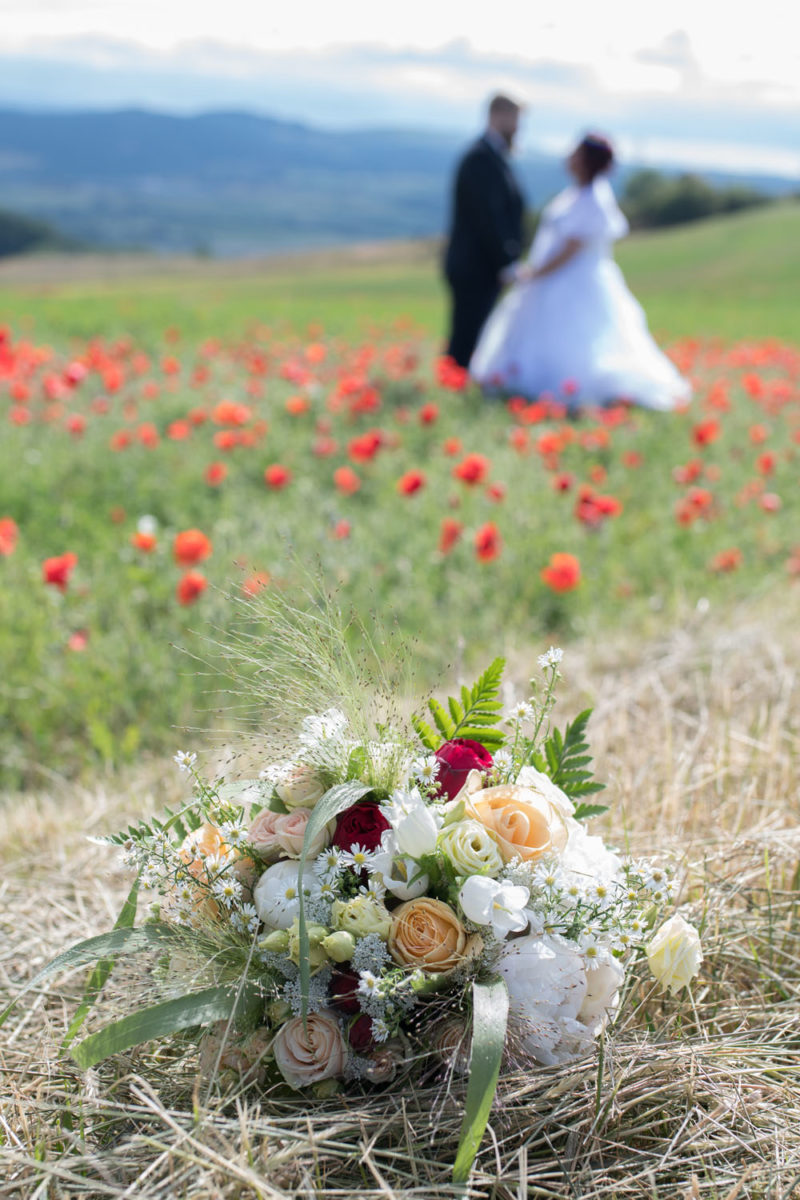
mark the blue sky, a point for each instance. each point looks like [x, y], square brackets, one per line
[689, 83]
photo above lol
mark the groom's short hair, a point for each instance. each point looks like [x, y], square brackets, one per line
[500, 104]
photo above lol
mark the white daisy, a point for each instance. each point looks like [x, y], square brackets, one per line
[359, 858]
[523, 711]
[425, 769]
[369, 984]
[380, 1030]
[185, 760]
[551, 658]
[228, 890]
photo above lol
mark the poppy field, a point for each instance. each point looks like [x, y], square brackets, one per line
[143, 483]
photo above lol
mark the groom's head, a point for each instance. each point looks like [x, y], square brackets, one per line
[504, 117]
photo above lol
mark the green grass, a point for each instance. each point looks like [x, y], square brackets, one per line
[733, 277]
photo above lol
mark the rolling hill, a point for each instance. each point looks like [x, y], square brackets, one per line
[237, 184]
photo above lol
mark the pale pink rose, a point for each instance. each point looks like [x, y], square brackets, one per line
[290, 830]
[261, 834]
[309, 1051]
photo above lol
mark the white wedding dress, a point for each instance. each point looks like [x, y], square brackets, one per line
[579, 326]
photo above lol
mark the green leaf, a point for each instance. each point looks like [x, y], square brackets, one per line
[119, 941]
[201, 1008]
[429, 738]
[584, 811]
[442, 720]
[489, 1021]
[101, 971]
[480, 707]
[456, 711]
[564, 758]
[344, 795]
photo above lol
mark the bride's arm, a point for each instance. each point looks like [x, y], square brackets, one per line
[567, 252]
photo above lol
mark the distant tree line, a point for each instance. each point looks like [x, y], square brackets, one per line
[20, 234]
[651, 200]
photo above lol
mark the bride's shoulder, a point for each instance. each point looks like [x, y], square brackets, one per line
[562, 203]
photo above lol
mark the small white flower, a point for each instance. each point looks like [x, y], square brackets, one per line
[185, 760]
[369, 984]
[503, 761]
[375, 887]
[380, 1030]
[425, 769]
[329, 863]
[147, 524]
[233, 833]
[228, 890]
[414, 823]
[251, 917]
[594, 952]
[551, 658]
[359, 858]
[523, 711]
[490, 902]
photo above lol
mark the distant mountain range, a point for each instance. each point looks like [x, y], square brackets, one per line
[234, 183]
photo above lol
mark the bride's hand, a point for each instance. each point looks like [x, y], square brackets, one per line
[525, 274]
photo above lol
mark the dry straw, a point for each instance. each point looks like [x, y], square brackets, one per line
[690, 1098]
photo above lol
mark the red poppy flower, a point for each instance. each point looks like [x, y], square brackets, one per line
[411, 482]
[190, 586]
[472, 469]
[191, 546]
[487, 542]
[56, 571]
[296, 406]
[346, 480]
[563, 572]
[496, 492]
[146, 542]
[766, 462]
[78, 640]
[9, 532]
[215, 473]
[277, 476]
[452, 447]
[324, 446]
[449, 534]
[76, 424]
[179, 431]
[255, 583]
[705, 433]
[341, 530]
[428, 414]
[148, 435]
[726, 560]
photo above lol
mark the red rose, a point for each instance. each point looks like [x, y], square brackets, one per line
[360, 1034]
[344, 991]
[361, 825]
[456, 760]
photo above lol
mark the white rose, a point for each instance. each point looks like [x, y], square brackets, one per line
[675, 954]
[276, 896]
[543, 785]
[471, 849]
[311, 1050]
[299, 786]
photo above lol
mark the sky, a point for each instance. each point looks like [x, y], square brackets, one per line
[692, 82]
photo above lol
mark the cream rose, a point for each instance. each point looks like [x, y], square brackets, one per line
[471, 849]
[276, 896]
[300, 787]
[675, 954]
[290, 831]
[524, 823]
[261, 834]
[360, 916]
[309, 1051]
[427, 934]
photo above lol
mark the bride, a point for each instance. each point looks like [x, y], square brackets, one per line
[569, 326]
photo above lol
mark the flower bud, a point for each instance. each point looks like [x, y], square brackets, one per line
[339, 945]
[276, 942]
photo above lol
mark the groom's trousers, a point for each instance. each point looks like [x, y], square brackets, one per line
[471, 305]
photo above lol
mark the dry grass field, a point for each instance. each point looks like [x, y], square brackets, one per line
[698, 737]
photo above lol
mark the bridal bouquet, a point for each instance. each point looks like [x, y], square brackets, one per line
[419, 899]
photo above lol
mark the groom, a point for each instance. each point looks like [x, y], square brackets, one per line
[486, 228]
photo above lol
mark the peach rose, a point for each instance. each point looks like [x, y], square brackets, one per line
[199, 845]
[427, 933]
[290, 831]
[524, 823]
[261, 834]
[310, 1051]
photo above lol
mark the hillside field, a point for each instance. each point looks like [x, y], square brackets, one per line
[181, 439]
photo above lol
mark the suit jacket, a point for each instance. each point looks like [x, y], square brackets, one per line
[486, 227]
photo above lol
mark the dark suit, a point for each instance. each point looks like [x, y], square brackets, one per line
[485, 237]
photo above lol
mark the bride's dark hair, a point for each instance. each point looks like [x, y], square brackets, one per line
[597, 152]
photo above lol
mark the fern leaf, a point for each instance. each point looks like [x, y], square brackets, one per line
[429, 738]
[442, 720]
